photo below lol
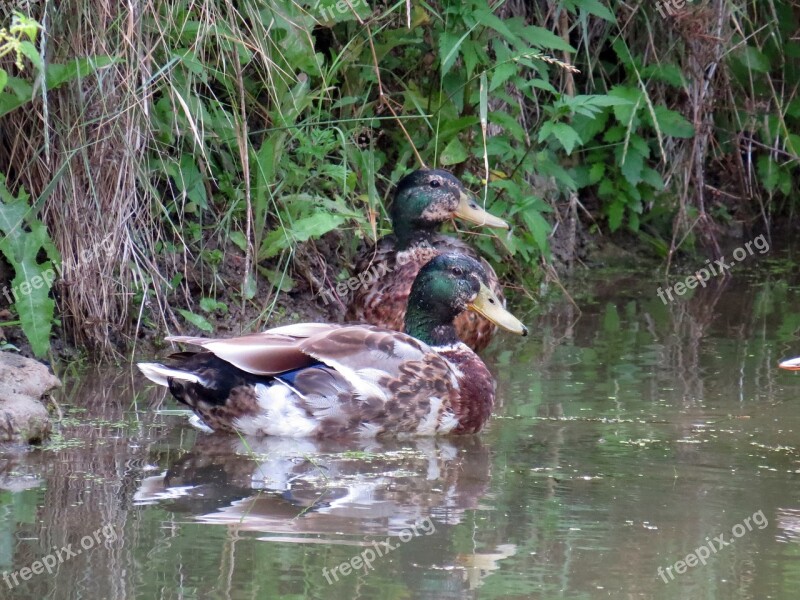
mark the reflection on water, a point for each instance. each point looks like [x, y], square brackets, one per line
[625, 439]
[333, 491]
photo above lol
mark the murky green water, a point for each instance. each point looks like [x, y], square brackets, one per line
[627, 438]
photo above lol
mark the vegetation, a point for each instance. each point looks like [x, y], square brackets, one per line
[222, 154]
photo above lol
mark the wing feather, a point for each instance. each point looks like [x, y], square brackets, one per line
[268, 352]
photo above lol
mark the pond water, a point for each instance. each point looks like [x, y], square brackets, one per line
[638, 450]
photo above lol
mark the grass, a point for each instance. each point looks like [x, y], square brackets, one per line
[231, 154]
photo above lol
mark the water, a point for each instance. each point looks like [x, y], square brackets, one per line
[628, 437]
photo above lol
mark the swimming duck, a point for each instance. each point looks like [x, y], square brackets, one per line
[793, 364]
[423, 201]
[330, 380]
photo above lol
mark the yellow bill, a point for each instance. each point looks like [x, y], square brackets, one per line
[469, 210]
[489, 306]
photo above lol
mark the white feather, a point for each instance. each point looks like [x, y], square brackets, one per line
[368, 430]
[447, 423]
[279, 414]
[302, 330]
[362, 387]
[159, 374]
[406, 351]
[428, 425]
[324, 407]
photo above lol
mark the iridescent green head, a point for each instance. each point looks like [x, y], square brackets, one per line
[444, 288]
[427, 198]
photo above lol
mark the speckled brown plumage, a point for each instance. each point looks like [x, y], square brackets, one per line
[476, 393]
[383, 302]
[326, 380]
[363, 380]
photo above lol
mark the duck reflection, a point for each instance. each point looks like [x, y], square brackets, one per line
[299, 488]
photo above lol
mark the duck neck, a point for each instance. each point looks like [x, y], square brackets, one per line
[430, 326]
[411, 234]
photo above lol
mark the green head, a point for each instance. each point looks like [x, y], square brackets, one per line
[444, 288]
[427, 198]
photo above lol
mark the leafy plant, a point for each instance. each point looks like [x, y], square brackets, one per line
[19, 40]
[24, 240]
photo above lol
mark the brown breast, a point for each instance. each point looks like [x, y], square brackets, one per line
[475, 398]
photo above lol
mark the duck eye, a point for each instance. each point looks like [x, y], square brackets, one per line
[458, 271]
[435, 183]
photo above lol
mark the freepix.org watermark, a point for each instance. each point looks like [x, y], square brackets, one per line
[363, 279]
[704, 552]
[48, 276]
[333, 10]
[717, 268]
[59, 555]
[378, 550]
[670, 8]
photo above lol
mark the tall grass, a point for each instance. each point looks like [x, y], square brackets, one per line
[225, 140]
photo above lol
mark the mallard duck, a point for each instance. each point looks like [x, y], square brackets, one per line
[423, 201]
[793, 364]
[326, 380]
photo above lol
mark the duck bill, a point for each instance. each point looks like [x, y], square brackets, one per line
[469, 210]
[488, 305]
[792, 364]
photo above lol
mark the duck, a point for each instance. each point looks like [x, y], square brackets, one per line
[792, 364]
[423, 201]
[328, 380]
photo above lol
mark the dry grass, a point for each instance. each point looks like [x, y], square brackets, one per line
[89, 153]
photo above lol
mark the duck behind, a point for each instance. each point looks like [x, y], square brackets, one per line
[423, 201]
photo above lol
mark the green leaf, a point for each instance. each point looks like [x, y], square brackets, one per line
[768, 172]
[624, 113]
[469, 52]
[24, 238]
[754, 60]
[652, 178]
[539, 228]
[30, 52]
[453, 153]
[34, 306]
[336, 11]
[543, 38]
[594, 7]
[198, 321]
[190, 181]
[57, 75]
[454, 126]
[211, 305]
[502, 73]
[300, 230]
[487, 18]
[596, 173]
[448, 48]
[19, 92]
[673, 123]
[3, 79]
[616, 210]
[567, 136]
[279, 280]
[632, 167]
[237, 237]
[668, 73]
[250, 287]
